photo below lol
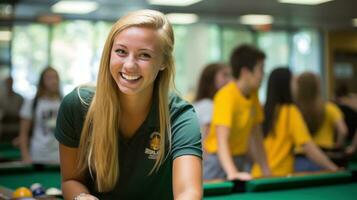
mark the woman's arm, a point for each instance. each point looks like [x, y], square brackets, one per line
[25, 126]
[317, 156]
[351, 149]
[71, 181]
[341, 129]
[257, 150]
[187, 178]
[205, 131]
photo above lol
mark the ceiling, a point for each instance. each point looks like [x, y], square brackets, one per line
[337, 14]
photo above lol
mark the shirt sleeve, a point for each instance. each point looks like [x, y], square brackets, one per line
[334, 112]
[222, 110]
[186, 136]
[258, 110]
[26, 109]
[66, 132]
[298, 127]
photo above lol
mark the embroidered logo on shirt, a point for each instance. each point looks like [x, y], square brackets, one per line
[154, 146]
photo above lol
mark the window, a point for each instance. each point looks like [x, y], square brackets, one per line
[194, 48]
[231, 38]
[29, 56]
[275, 46]
[305, 52]
[72, 52]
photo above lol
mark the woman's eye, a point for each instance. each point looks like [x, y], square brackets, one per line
[145, 56]
[120, 51]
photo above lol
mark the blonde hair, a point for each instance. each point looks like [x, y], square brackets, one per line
[98, 148]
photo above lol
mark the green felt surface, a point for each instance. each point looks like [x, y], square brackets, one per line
[298, 181]
[14, 175]
[46, 178]
[9, 152]
[352, 165]
[331, 192]
[218, 188]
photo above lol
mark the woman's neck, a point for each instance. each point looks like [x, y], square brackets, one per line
[134, 111]
[133, 105]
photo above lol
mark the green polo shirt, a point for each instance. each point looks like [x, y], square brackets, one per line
[138, 154]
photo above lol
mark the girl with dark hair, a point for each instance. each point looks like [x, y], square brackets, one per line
[322, 119]
[284, 129]
[38, 121]
[213, 77]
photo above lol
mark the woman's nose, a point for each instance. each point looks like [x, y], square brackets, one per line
[130, 62]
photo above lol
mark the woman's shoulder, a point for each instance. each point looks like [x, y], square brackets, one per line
[79, 98]
[177, 102]
[178, 105]
[330, 106]
[82, 94]
[333, 111]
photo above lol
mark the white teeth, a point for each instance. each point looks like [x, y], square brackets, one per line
[129, 77]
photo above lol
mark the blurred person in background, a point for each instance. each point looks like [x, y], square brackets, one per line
[10, 105]
[235, 130]
[213, 77]
[323, 118]
[347, 102]
[284, 129]
[37, 142]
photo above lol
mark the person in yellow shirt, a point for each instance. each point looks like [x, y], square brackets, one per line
[284, 129]
[236, 119]
[213, 77]
[323, 119]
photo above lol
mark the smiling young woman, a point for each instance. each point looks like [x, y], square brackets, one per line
[130, 133]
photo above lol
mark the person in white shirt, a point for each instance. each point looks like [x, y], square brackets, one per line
[213, 77]
[38, 121]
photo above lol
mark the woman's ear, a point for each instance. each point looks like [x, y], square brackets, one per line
[162, 68]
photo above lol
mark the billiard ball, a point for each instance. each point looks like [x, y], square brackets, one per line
[38, 192]
[22, 192]
[53, 192]
[35, 186]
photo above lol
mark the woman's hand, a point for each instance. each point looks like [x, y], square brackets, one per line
[84, 196]
[243, 176]
[27, 159]
[350, 150]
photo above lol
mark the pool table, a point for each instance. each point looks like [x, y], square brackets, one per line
[9, 153]
[326, 186]
[17, 174]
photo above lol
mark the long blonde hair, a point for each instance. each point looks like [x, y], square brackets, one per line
[98, 148]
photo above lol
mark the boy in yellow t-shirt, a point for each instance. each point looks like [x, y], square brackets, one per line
[236, 120]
